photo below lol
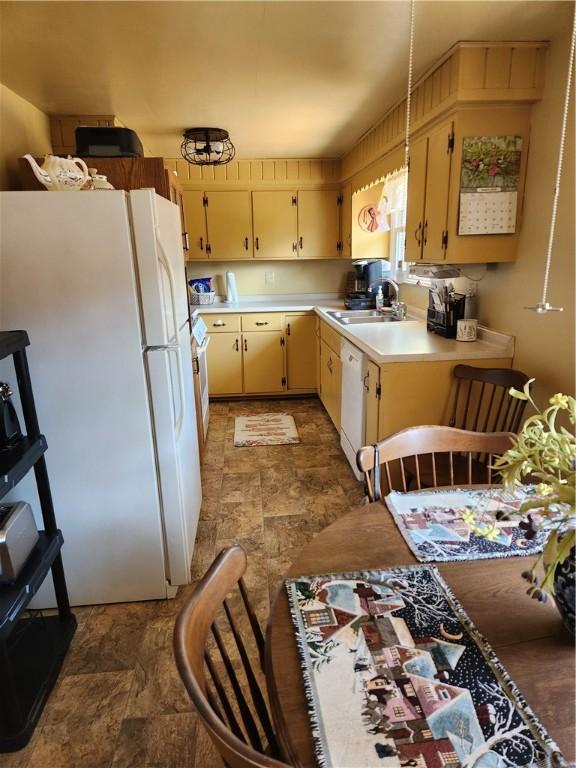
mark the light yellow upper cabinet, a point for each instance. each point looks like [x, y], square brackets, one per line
[512, 121]
[301, 349]
[228, 223]
[195, 224]
[416, 193]
[275, 224]
[263, 361]
[434, 188]
[346, 221]
[224, 358]
[434, 232]
[428, 189]
[318, 224]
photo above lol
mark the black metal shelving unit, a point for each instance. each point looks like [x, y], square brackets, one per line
[32, 648]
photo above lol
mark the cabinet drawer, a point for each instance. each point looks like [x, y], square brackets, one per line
[330, 337]
[262, 321]
[222, 323]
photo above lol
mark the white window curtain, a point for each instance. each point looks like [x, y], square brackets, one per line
[392, 210]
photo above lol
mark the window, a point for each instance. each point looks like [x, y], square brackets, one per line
[393, 208]
[399, 712]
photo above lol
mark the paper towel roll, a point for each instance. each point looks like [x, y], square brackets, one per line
[231, 290]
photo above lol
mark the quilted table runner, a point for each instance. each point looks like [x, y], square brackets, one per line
[397, 675]
[438, 525]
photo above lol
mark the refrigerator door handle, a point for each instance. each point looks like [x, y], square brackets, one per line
[179, 375]
[165, 261]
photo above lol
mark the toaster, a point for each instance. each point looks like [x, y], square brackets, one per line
[18, 536]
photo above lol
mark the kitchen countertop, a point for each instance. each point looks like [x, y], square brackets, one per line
[281, 303]
[401, 342]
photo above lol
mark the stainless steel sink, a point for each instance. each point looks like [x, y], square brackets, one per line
[367, 317]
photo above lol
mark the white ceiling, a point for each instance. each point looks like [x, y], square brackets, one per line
[286, 79]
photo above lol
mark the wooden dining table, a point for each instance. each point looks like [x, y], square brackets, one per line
[527, 636]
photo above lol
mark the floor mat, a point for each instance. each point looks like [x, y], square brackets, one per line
[265, 429]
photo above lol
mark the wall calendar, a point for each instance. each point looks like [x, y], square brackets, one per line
[489, 180]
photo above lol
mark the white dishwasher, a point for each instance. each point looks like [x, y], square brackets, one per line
[353, 408]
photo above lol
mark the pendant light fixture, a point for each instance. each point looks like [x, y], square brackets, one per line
[207, 146]
[543, 305]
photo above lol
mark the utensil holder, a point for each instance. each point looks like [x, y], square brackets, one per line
[443, 322]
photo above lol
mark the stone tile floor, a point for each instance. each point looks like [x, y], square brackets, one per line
[119, 702]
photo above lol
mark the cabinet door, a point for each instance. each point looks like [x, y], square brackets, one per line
[177, 196]
[318, 224]
[195, 224]
[372, 403]
[337, 392]
[331, 383]
[325, 376]
[263, 361]
[346, 221]
[228, 225]
[224, 357]
[437, 189]
[416, 197]
[275, 216]
[301, 343]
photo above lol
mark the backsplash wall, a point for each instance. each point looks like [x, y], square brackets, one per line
[275, 277]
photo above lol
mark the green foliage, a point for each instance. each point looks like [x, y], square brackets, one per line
[545, 451]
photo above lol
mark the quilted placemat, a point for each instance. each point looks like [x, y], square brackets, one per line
[265, 429]
[396, 674]
[438, 525]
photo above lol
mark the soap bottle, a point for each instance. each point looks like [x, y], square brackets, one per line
[379, 300]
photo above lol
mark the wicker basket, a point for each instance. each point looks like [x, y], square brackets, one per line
[202, 298]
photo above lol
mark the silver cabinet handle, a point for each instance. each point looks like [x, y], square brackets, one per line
[261, 322]
[219, 324]
[186, 240]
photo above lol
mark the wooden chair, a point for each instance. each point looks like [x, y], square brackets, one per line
[429, 444]
[241, 731]
[482, 402]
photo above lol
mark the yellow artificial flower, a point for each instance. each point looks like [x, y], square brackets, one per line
[543, 489]
[491, 533]
[560, 400]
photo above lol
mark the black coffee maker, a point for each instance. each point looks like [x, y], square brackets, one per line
[362, 284]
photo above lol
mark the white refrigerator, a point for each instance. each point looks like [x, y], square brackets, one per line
[97, 280]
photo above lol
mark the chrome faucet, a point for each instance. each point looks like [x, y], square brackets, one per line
[398, 307]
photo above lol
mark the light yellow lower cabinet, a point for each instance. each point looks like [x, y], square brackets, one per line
[263, 353]
[224, 357]
[331, 383]
[301, 351]
[372, 382]
[421, 392]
